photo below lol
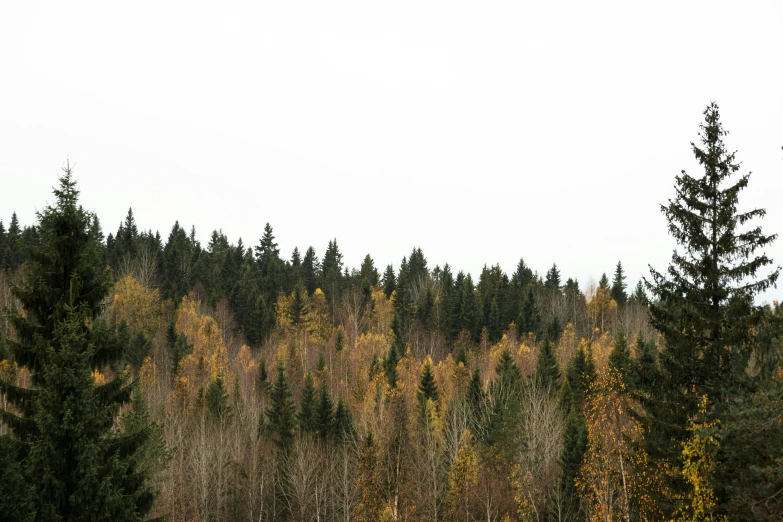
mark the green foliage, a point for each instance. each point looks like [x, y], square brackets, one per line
[428, 388]
[280, 422]
[703, 302]
[618, 292]
[217, 399]
[308, 422]
[72, 461]
[529, 320]
[298, 309]
[325, 421]
[547, 371]
[620, 357]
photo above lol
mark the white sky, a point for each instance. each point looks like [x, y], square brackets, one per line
[480, 131]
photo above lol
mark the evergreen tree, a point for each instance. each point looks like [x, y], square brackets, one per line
[529, 319]
[73, 462]
[547, 371]
[428, 388]
[324, 414]
[307, 413]
[639, 296]
[620, 358]
[369, 502]
[3, 242]
[475, 393]
[139, 348]
[580, 375]
[298, 309]
[270, 267]
[502, 434]
[554, 330]
[281, 413]
[332, 276]
[703, 303]
[310, 269]
[180, 350]
[390, 364]
[389, 281]
[343, 422]
[552, 282]
[618, 285]
[262, 377]
[339, 343]
[217, 399]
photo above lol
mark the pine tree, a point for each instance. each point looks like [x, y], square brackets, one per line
[618, 285]
[73, 462]
[547, 371]
[703, 304]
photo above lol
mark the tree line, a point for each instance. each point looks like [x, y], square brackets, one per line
[142, 379]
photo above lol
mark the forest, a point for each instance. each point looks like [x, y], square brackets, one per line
[148, 377]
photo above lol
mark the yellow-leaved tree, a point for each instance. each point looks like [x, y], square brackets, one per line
[463, 480]
[615, 480]
[698, 463]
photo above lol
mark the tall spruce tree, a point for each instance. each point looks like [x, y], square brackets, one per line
[428, 388]
[547, 370]
[618, 285]
[75, 464]
[703, 303]
[281, 419]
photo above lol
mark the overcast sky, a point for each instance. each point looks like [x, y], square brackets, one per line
[480, 131]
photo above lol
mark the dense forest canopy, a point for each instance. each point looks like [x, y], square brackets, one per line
[144, 375]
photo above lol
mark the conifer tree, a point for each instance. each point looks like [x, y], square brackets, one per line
[217, 399]
[529, 319]
[307, 406]
[618, 285]
[324, 414]
[574, 448]
[389, 281]
[310, 269]
[428, 388]
[298, 309]
[339, 343]
[552, 282]
[703, 304]
[547, 371]
[281, 413]
[369, 503]
[73, 463]
[581, 375]
[620, 357]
